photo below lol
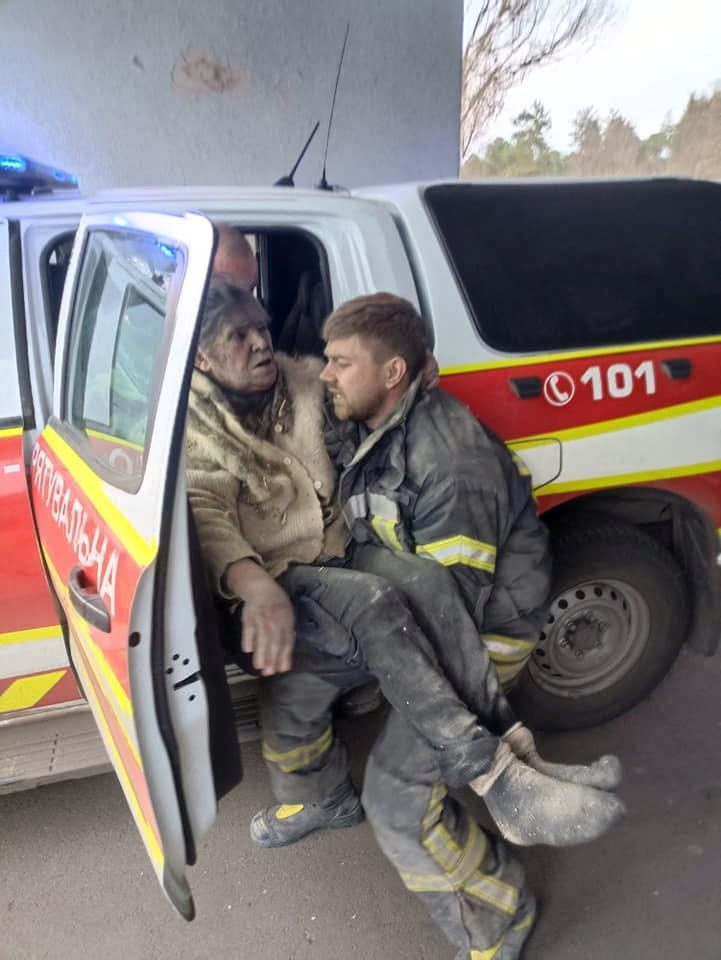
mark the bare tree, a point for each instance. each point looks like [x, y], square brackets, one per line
[510, 37]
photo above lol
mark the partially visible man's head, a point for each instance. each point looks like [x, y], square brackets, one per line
[234, 256]
[234, 347]
[375, 346]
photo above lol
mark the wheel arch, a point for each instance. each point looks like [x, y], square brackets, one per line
[683, 527]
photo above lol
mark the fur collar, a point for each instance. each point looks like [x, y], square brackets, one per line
[216, 436]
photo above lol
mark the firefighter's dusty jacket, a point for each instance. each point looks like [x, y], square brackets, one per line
[433, 480]
[268, 499]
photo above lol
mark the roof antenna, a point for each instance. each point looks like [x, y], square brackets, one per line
[323, 183]
[288, 180]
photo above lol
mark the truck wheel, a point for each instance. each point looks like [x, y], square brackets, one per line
[616, 623]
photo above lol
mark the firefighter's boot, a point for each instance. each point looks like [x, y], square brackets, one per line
[604, 773]
[530, 807]
[283, 824]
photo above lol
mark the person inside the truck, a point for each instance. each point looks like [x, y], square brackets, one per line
[235, 256]
[262, 488]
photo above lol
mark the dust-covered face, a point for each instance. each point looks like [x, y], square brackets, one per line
[240, 358]
[357, 381]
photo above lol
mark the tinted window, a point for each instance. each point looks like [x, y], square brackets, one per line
[116, 350]
[558, 266]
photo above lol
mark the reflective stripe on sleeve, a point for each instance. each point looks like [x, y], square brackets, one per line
[506, 649]
[507, 672]
[385, 530]
[520, 465]
[460, 550]
[509, 654]
[356, 507]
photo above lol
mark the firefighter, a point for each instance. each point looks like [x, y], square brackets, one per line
[262, 489]
[421, 477]
[234, 257]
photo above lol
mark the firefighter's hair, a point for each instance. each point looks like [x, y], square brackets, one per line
[223, 301]
[389, 324]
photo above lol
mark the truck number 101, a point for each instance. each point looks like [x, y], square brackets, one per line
[619, 379]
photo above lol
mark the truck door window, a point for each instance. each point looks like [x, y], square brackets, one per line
[54, 264]
[295, 289]
[115, 349]
[568, 265]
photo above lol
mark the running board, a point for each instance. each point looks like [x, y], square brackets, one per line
[63, 743]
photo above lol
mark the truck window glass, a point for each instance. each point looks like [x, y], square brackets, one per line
[54, 264]
[115, 353]
[295, 289]
[574, 265]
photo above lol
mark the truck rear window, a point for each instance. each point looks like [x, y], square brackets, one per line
[556, 266]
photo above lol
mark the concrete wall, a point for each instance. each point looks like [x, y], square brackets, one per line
[226, 91]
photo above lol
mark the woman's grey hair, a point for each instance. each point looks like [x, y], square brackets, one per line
[224, 299]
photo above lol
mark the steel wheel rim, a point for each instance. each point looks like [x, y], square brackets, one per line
[596, 631]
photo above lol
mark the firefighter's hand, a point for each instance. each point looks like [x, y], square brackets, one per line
[267, 618]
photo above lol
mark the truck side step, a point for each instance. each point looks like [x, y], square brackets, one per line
[64, 743]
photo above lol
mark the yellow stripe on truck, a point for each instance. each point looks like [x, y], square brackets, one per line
[118, 441]
[38, 633]
[152, 845]
[27, 691]
[96, 656]
[533, 359]
[141, 550]
[623, 479]
[625, 423]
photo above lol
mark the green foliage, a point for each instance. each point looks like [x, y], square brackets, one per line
[526, 154]
[610, 147]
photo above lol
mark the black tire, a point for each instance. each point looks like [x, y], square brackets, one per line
[617, 621]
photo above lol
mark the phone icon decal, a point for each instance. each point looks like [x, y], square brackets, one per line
[559, 388]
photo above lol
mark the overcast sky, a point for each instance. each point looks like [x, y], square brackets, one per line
[645, 64]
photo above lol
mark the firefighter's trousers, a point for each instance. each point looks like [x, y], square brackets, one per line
[403, 622]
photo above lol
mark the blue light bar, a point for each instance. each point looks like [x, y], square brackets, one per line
[20, 176]
[62, 177]
[17, 164]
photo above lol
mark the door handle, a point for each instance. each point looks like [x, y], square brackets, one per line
[525, 387]
[677, 369]
[90, 606]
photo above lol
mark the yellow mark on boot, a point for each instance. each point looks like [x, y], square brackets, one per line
[288, 810]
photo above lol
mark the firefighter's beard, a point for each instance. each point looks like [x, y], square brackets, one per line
[360, 410]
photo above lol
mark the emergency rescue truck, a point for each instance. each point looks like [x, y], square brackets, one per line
[581, 320]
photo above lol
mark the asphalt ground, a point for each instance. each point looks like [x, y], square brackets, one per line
[75, 881]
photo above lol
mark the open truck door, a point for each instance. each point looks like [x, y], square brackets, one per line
[108, 488]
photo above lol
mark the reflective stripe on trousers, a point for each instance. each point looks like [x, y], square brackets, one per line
[468, 880]
[299, 758]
